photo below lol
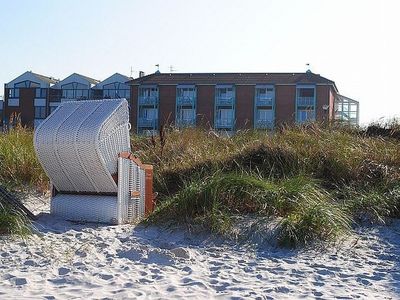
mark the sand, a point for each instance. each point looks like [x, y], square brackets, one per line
[66, 261]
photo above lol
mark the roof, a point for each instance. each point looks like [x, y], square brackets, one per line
[75, 77]
[116, 77]
[44, 81]
[49, 80]
[91, 80]
[232, 78]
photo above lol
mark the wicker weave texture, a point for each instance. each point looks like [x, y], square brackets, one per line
[85, 208]
[78, 144]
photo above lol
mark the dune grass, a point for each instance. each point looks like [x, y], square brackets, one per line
[18, 163]
[13, 222]
[318, 181]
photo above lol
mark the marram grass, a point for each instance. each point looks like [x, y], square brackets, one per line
[317, 180]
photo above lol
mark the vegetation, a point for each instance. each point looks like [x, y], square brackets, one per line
[317, 181]
[12, 221]
[18, 163]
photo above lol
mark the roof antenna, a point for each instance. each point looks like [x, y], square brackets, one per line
[158, 68]
[308, 68]
[131, 72]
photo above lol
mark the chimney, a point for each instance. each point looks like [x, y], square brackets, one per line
[141, 74]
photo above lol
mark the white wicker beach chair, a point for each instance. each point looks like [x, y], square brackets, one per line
[84, 148]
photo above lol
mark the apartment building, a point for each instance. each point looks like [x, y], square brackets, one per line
[112, 87]
[75, 87]
[232, 101]
[26, 97]
[222, 101]
[31, 97]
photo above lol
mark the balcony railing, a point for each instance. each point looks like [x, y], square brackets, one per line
[148, 100]
[225, 101]
[185, 100]
[224, 123]
[264, 124]
[144, 122]
[305, 101]
[265, 101]
[185, 123]
[148, 132]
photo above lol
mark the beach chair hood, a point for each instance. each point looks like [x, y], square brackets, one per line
[79, 143]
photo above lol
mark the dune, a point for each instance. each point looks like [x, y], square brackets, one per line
[65, 260]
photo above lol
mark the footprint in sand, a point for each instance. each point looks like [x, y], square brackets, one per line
[363, 281]
[19, 281]
[63, 271]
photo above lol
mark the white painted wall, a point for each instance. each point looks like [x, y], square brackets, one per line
[114, 78]
[73, 78]
[28, 76]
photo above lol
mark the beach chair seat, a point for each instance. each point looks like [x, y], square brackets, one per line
[84, 148]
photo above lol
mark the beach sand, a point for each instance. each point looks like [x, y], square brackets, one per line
[66, 261]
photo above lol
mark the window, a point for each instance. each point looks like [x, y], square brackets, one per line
[148, 96]
[306, 96]
[112, 94]
[148, 92]
[305, 115]
[41, 93]
[52, 108]
[306, 92]
[225, 92]
[186, 114]
[109, 94]
[186, 92]
[27, 84]
[305, 103]
[13, 102]
[13, 93]
[75, 90]
[265, 115]
[264, 93]
[116, 90]
[40, 112]
[149, 113]
[225, 117]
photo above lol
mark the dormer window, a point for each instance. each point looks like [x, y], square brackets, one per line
[75, 90]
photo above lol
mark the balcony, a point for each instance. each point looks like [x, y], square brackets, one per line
[264, 124]
[148, 123]
[148, 100]
[264, 101]
[305, 101]
[185, 123]
[225, 101]
[188, 101]
[224, 123]
[148, 132]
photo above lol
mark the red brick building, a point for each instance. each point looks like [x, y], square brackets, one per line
[222, 101]
[230, 101]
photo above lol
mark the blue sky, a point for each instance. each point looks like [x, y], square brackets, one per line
[355, 43]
